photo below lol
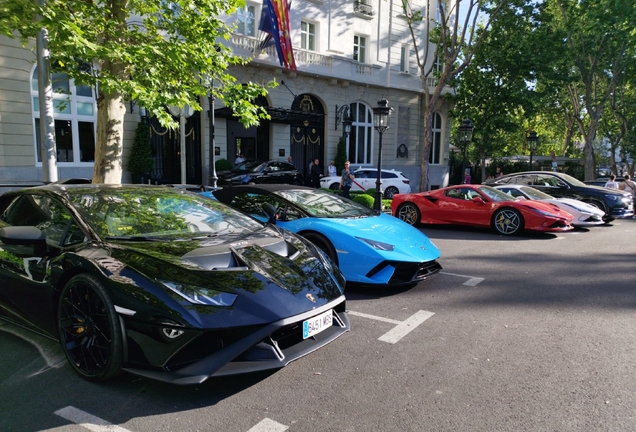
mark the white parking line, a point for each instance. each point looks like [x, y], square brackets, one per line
[268, 425]
[472, 281]
[377, 318]
[87, 420]
[402, 328]
[48, 349]
[406, 326]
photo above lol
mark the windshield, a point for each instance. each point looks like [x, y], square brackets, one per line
[495, 194]
[157, 212]
[572, 180]
[325, 204]
[535, 194]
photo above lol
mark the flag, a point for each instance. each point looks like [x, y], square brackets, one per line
[275, 22]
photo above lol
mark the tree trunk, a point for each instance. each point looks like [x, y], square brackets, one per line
[110, 133]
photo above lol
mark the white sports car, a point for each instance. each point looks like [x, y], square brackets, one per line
[393, 182]
[584, 214]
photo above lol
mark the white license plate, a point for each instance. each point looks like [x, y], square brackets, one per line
[315, 325]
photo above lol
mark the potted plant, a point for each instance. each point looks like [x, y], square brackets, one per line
[140, 161]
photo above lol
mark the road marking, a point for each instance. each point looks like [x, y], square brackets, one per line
[377, 318]
[87, 420]
[268, 425]
[472, 281]
[406, 326]
[402, 328]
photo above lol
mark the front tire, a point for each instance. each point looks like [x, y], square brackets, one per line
[89, 329]
[334, 186]
[507, 221]
[324, 245]
[409, 213]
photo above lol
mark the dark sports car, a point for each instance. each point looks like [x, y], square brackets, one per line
[162, 282]
[481, 206]
[261, 172]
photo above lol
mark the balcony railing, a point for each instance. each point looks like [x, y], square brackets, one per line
[362, 8]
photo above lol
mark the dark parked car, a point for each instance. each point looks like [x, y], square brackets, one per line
[261, 172]
[162, 282]
[615, 204]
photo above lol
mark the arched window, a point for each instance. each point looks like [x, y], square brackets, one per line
[361, 137]
[436, 145]
[75, 114]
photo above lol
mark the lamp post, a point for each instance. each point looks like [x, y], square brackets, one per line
[381, 115]
[532, 140]
[212, 178]
[182, 113]
[465, 136]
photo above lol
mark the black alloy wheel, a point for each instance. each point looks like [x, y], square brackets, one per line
[390, 191]
[89, 327]
[323, 244]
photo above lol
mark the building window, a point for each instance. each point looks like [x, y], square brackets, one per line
[245, 20]
[439, 63]
[307, 36]
[359, 48]
[436, 145]
[361, 136]
[404, 59]
[75, 116]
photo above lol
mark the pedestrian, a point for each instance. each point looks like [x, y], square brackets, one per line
[612, 183]
[239, 159]
[467, 177]
[290, 160]
[315, 174]
[346, 180]
[498, 172]
[332, 169]
[628, 185]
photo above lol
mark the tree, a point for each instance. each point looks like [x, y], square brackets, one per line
[599, 38]
[447, 43]
[155, 52]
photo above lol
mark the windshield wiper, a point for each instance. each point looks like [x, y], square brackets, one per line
[134, 238]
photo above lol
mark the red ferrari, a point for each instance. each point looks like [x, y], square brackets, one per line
[482, 206]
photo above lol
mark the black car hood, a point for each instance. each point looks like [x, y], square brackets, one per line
[273, 277]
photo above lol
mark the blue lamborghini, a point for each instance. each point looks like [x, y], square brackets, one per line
[371, 248]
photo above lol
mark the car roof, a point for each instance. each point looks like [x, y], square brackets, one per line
[227, 194]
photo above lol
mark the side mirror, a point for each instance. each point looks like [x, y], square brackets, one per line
[478, 200]
[270, 211]
[24, 241]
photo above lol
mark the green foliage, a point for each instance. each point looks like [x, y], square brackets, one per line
[140, 159]
[223, 165]
[341, 155]
[364, 199]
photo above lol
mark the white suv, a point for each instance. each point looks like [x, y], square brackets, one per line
[393, 182]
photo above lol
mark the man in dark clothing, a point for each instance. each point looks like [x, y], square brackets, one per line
[315, 174]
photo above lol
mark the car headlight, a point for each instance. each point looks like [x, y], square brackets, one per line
[377, 244]
[546, 214]
[200, 295]
[614, 197]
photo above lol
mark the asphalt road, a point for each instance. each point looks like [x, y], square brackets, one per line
[530, 333]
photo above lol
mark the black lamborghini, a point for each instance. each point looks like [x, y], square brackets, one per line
[162, 282]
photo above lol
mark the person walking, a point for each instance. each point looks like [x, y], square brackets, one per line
[315, 174]
[498, 172]
[346, 180]
[332, 169]
[629, 186]
[612, 183]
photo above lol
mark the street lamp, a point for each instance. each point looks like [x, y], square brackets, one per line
[182, 113]
[465, 136]
[532, 140]
[381, 115]
[212, 178]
